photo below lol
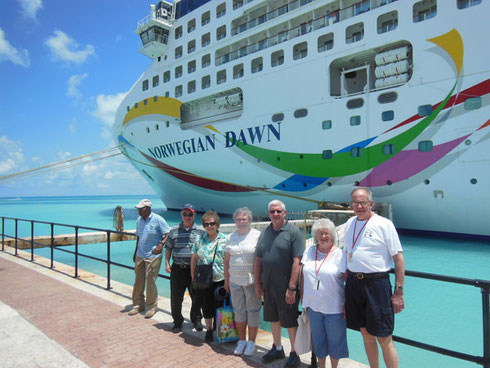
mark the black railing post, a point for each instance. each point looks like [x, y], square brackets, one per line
[108, 260]
[32, 241]
[76, 251]
[16, 245]
[52, 246]
[3, 234]
[486, 326]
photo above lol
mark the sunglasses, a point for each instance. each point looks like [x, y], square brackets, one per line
[207, 224]
[275, 211]
[187, 214]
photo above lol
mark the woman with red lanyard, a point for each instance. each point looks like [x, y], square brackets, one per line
[322, 293]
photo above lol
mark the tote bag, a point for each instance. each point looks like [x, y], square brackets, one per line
[225, 323]
[302, 343]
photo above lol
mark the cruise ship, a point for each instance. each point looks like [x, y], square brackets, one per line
[303, 100]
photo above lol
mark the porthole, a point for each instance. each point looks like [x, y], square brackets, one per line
[387, 115]
[155, 98]
[468, 142]
[389, 182]
[355, 120]
[356, 183]
[157, 127]
[145, 102]
[301, 113]
[355, 103]
[326, 124]
[327, 154]
[147, 129]
[301, 157]
[426, 181]
[426, 146]
[424, 110]
[473, 181]
[127, 108]
[329, 184]
[387, 97]
[278, 117]
[356, 152]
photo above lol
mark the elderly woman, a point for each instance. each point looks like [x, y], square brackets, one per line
[207, 247]
[239, 280]
[322, 293]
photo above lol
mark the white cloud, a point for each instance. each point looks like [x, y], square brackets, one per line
[73, 83]
[64, 48]
[11, 155]
[30, 7]
[106, 106]
[10, 53]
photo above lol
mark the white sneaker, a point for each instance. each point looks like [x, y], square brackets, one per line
[250, 349]
[240, 347]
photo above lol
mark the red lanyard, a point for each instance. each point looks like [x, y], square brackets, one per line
[321, 264]
[356, 238]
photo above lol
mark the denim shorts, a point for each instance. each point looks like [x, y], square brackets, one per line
[328, 334]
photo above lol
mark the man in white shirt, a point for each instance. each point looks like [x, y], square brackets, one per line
[372, 245]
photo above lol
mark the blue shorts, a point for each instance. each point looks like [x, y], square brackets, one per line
[368, 305]
[328, 334]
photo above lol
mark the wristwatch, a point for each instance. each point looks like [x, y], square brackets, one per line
[292, 289]
[398, 287]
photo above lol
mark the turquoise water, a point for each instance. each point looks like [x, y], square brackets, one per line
[438, 313]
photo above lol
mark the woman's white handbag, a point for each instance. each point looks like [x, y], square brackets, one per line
[302, 343]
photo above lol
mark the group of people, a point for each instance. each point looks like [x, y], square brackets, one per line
[338, 288]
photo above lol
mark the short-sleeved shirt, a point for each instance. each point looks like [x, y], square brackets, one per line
[277, 250]
[323, 289]
[204, 248]
[150, 232]
[242, 253]
[375, 247]
[180, 241]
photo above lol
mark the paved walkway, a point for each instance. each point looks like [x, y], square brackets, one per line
[49, 319]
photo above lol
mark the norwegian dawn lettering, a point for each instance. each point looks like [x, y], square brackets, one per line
[252, 135]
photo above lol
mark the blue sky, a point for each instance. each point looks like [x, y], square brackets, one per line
[64, 68]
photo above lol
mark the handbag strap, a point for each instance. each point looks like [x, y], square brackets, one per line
[215, 250]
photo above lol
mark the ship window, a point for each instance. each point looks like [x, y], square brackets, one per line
[178, 52]
[178, 32]
[206, 82]
[220, 10]
[135, 105]
[257, 65]
[354, 32]
[205, 18]
[355, 120]
[424, 110]
[221, 32]
[155, 81]
[191, 86]
[127, 108]
[167, 123]
[387, 97]
[387, 22]
[178, 91]
[148, 129]
[237, 4]
[426, 146]
[191, 66]
[326, 124]
[327, 154]
[205, 39]
[166, 76]
[144, 85]
[325, 42]
[387, 115]
[355, 103]
[178, 71]
[191, 25]
[472, 103]
[167, 94]
[467, 3]
[278, 117]
[191, 46]
[157, 127]
[155, 98]
[356, 152]
[388, 149]
[300, 113]
[300, 50]
[221, 76]
[145, 101]
[206, 60]
[277, 58]
[424, 10]
[238, 71]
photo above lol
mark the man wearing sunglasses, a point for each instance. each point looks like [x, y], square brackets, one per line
[276, 271]
[179, 247]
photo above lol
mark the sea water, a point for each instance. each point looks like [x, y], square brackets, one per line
[438, 313]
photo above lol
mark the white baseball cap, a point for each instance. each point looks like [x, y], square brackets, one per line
[144, 203]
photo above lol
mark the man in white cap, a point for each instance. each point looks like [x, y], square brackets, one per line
[152, 232]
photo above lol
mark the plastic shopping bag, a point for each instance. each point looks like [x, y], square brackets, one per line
[302, 343]
[225, 323]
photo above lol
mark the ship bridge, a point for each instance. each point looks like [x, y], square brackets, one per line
[154, 30]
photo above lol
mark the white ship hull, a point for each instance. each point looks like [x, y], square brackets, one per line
[319, 122]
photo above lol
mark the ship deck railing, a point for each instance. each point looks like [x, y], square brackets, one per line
[483, 285]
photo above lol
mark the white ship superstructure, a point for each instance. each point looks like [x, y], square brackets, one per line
[246, 101]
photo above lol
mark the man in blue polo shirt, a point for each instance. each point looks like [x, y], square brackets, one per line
[152, 232]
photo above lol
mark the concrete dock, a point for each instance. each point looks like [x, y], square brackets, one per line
[50, 319]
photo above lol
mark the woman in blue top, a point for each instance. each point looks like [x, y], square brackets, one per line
[203, 252]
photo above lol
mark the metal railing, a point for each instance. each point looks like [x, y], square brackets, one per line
[484, 285]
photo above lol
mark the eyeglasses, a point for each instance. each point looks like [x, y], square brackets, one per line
[362, 204]
[187, 214]
[207, 224]
[275, 211]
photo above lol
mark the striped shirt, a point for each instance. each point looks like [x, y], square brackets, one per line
[242, 253]
[180, 241]
[150, 232]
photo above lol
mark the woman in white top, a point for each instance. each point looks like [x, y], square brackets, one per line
[239, 280]
[322, 292]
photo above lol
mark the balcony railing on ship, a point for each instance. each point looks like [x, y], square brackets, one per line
[483, 285]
